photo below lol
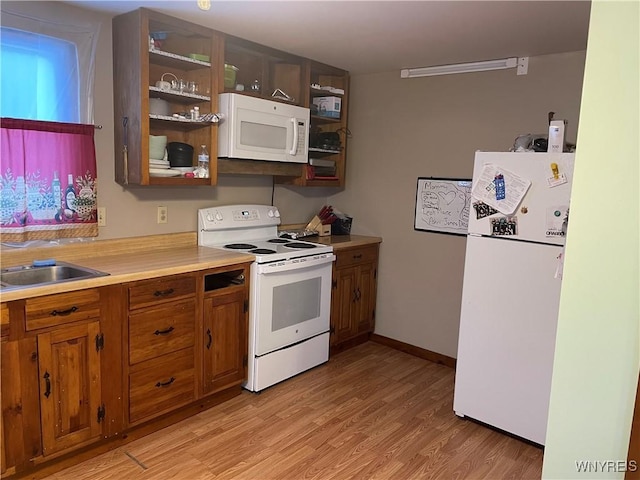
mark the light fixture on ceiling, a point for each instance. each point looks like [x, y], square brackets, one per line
[522, 63]
[204, 4]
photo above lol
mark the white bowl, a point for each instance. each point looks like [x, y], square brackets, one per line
[157, 146]
[183, 169]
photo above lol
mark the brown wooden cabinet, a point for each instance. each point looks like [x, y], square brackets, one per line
[54, 371]
[261, 70]
[71, 409]
[225, 340]
[137, 66]
[117, 361]
[353, 298]
[327, 135]
[225, 328]
[161, 336]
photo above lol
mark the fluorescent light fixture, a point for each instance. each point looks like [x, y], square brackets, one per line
[500, 64]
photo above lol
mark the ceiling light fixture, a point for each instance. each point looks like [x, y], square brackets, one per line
[521, 63]
[204, 4]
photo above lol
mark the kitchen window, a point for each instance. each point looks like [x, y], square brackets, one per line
[48, 174]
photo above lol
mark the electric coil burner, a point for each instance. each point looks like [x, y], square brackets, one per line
[290, 291]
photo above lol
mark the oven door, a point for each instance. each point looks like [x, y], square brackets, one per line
[289, 303]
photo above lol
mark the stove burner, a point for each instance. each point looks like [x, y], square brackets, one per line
[240, 246]
[278, 240]
[299, 245]
[262, 251]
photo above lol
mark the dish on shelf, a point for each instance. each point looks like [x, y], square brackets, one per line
[183, 169]
[159, 164]
[160, 172]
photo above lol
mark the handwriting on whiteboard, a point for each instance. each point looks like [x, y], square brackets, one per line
[443, 205]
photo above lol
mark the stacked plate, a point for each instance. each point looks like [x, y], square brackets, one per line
[161, 168]
[158, 164]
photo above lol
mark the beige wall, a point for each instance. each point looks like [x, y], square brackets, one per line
[595, 370]
[132, 211]
[406, 128]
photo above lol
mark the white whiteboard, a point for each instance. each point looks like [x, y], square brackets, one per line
[442, 205]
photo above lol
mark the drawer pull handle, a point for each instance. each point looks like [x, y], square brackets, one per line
[166, 384]
[47, 383]
[164, 332]
[355, 257]
[64, 313]
[210, 341]
[163, 293]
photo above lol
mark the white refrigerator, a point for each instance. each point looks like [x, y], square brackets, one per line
[511, 289]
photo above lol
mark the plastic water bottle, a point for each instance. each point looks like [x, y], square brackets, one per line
[203, 163]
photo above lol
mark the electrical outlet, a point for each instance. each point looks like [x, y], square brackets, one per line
[162, 214]
[102, 217]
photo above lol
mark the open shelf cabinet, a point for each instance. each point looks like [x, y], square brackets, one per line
[138, 65]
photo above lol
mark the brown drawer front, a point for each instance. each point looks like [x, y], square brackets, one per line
[62, 308]
[147, 293]
[161, 384]
[160, 330]
[356, 256]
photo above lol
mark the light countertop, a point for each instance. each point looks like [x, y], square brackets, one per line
[140, 258]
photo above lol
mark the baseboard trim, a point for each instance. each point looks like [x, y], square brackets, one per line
[415, 351]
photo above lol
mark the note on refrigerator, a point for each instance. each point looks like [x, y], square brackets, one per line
[515, 188]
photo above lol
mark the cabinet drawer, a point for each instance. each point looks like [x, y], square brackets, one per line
[150, 292]
[53, 310]
[161, 384]
[159, 330]
[345, 258]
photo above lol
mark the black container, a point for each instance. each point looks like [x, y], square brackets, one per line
[341, 226]
[180, 154]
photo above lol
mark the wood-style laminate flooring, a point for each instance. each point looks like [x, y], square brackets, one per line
[371, 412]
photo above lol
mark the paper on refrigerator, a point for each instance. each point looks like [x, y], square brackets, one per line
[515, 188]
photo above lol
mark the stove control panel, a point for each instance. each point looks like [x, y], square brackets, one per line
[238, 216]
[245, 215]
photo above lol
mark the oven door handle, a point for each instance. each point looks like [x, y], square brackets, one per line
[276, 267]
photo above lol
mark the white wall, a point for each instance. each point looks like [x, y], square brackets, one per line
[407, 128]
[597, 349]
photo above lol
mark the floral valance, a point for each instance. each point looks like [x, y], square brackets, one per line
[48, 173]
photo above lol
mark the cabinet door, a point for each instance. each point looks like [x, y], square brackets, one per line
[344, 325]
[366, 295]
[20, 410]
[225, 341]
[69, 369]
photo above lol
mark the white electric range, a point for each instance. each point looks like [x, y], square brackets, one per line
[290, 290]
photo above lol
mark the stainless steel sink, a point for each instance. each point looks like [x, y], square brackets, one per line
[31, 276]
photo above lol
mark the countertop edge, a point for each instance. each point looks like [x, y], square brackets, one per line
[136, 264]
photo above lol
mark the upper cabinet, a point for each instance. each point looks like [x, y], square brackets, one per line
[257, 70]
[150, 48]
[164, 66]
[327, 92]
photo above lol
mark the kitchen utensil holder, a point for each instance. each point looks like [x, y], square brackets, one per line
[341, 226]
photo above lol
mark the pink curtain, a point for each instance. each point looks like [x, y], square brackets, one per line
[48, 174]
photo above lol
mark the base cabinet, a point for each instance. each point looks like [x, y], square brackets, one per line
[353, 298]
[115, 363]
[53, 376]
[71, 412]
[225, 340]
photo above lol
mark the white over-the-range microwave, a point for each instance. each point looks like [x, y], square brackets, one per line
[258, 129]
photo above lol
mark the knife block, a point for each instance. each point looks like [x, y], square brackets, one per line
[316, 225]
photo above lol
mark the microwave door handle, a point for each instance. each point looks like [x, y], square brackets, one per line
[295, 137]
